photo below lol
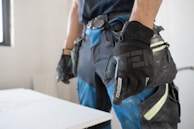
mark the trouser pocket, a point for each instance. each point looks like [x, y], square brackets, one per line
[162, 109]
[164, 65]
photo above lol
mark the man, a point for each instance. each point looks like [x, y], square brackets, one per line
[121, 61]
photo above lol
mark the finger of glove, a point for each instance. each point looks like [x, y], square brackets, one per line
[66, 78]
[129, 86]
[132, 85]
[122, 89]
[142, 82]
[59, 77]
[60, 68]
[64, 75]
[118, 85]
[110, 69]
[59, 73]
[65, 81]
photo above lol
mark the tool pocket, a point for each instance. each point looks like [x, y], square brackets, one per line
[164, 66]
[162, 109]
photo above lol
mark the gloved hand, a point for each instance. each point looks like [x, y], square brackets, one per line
[64, 69]
[131, 62]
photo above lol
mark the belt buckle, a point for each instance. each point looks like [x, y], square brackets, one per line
[90, 23]
[96, 23]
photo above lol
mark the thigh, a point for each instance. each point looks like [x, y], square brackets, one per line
[92, 60]
[86, 75]
[102, 53]
[85, 67]
[86, 93]
[91, 90]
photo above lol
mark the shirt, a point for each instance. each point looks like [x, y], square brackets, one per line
[89, 9]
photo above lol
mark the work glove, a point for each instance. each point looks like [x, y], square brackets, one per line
[131, 62]
[64, 69]
[136, 64]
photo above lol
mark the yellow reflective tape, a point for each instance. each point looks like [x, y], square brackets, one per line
[155, 109]
[156, 49]
[159, 48]
[156, 43]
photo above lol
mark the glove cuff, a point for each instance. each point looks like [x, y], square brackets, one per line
[136, 31]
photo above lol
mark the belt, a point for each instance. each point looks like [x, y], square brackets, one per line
[102, 20]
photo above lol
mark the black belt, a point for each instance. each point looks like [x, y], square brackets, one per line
[101, 20]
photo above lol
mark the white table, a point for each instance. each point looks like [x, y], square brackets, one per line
[28, 109]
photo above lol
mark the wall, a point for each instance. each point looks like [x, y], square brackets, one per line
[39, 34]
[176, 17]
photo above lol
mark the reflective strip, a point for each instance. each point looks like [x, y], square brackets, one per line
[155, 109]
[159, 48]
[119, 87]
[158, 44]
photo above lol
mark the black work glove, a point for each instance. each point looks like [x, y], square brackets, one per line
[131, 62]
[64, 69]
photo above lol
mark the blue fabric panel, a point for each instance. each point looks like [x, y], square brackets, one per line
[86, 94]
[87, 97]
[128, 111]
[94, 35]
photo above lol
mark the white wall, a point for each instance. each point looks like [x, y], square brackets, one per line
[39, 35]
[178, 21]
[40, 28]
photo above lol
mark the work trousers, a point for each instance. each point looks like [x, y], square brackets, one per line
[94, 52]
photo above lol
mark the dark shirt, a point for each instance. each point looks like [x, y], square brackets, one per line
[89, 9]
